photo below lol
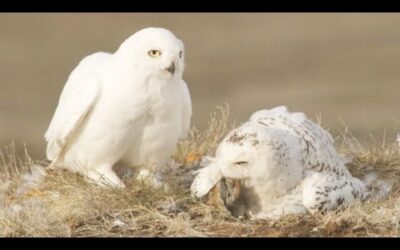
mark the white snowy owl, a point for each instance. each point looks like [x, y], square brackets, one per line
[288, 162]
[131, 106]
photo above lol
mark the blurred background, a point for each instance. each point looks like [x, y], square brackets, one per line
[339, 66]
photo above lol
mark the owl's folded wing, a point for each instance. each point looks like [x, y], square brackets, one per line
[76, 101]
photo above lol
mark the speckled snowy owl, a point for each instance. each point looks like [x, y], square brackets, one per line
[287, 161]
[131, 106]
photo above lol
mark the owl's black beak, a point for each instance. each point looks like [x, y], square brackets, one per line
[171, 68]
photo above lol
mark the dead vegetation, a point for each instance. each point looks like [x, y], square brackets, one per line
[64, 204]
[199, 143]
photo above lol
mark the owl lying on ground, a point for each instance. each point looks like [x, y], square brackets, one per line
[287, 164]
[131, 106]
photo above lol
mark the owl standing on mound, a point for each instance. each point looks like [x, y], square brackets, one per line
[288, 162]
[131, 106]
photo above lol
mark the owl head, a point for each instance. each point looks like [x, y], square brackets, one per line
[155, 52]
[238, 155]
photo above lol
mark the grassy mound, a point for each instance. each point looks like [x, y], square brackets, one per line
[64, 204]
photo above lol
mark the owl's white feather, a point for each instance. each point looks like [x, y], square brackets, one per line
[206, 178]
[130, 106]
[76, 101]
[286, 159]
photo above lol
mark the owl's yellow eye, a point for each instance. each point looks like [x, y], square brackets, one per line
[154, 53]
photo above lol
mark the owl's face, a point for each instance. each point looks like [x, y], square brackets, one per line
[238, 156]
[155, 52]
[235, 162]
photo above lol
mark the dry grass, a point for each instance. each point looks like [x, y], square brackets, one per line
[199, 143]
[63, 204]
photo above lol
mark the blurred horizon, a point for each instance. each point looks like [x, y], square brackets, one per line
[339, 66]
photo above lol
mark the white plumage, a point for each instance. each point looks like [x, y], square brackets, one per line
[130, 106]
[288, 162]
